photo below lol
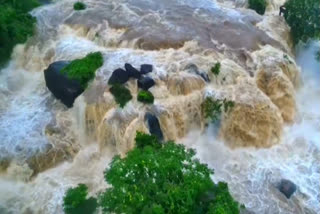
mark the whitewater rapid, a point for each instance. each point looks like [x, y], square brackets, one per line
[26, 106]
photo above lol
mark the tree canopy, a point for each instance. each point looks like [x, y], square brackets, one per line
[303, 17]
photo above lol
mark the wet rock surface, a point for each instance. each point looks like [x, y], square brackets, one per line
[63, 88]
[154, 125]
[287, 187]
[145, 82]
[119, 76]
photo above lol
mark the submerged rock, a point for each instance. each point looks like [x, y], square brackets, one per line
[132, 71]
[63, 88]
[145, 68]
[154, 125]
[145, 83]
[119, 76]
[193, 69]
[287, 187]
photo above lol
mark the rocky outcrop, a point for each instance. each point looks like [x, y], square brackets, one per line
[287, 187]
[132, 71]
[119, 76]
[154, 125]
[63, 88]
[145, 82]
[146, 68]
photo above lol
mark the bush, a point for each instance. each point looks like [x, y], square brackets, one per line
[303, 17]
[212, 108]
[258, 5]
[79, 6]
[75, 201]
[121, 94]
[166, 178]
[83, 70]
[216, 69]
[145, 97]
[16, 25]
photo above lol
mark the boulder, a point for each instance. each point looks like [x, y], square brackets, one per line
[132, 71]
[193, 69]
[145, 83]
[145, 68]
[60, 85]
[154, 125]
[287, 187]
[119, 76]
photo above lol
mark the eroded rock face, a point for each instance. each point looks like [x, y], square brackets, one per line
[253, 121]
[183, 84]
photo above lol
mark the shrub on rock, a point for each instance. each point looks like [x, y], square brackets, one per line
[145, 97]
[16, 25]
[79, 6]
[216, 69]
[212, 108]
[83, 70]
[76, 202]
[258, 5]
[121, 94]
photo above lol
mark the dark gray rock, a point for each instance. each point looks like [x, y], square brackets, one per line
[63, 88]
[154, 125]
[145, 83]
[146, 68]
[132, 71]
[287, 187]
[119, 76]
[193, 69]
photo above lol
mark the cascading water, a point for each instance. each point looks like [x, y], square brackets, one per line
[32, 122]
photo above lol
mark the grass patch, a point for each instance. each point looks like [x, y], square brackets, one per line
[258, 5]
[216, 69]
[16, 25]
[145, 97]
[121, 94]
[83, 70]
[79, 6]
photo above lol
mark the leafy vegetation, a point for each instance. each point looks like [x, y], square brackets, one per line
[156, 178]
[79, 6]
[16, 25]
[121, 94]
[212, 108]
[162, 178]
[83, 70]
[216, 69]
[75, 201]
[303, 17]
[145, 97]
[258, 5]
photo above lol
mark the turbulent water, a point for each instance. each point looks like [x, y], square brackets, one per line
[46, 148]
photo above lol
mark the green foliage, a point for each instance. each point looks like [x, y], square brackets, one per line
[212, 108]
[258, 5]
[216, 69]
[83, 70]
[303, 17]
[159, 178]
[145, 97]
[121, 94]
[143, 140]
[223, 203]
[16, 25]
[75, 201]
[79, 6]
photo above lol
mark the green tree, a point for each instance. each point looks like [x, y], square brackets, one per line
[16, 25]
[165, 178]
[76, 202]
[303, 17]
[258, 5]
[79, 6]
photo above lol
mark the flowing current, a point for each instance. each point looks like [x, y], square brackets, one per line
[145, 31]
